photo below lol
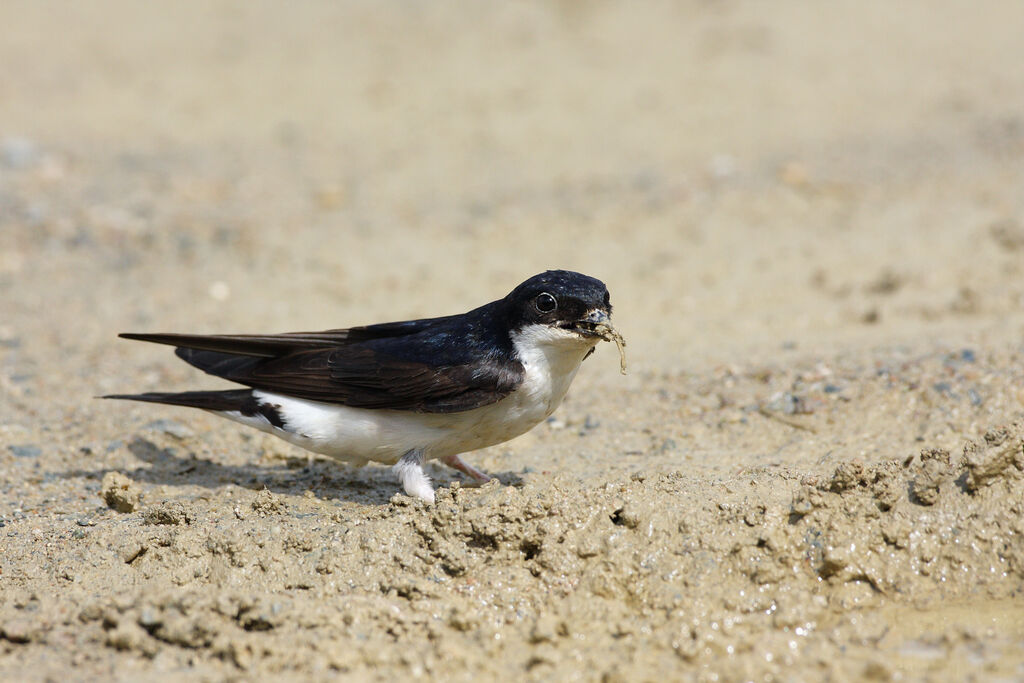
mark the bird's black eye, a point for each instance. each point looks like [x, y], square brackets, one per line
[545, 303]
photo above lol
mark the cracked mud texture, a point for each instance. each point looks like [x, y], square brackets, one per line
[811, 226]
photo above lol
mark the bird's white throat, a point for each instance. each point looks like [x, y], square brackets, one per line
[551, 357]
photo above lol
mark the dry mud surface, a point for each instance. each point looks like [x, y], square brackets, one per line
[812, 227]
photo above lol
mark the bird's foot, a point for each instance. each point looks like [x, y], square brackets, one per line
[409, 470]
[457, 463]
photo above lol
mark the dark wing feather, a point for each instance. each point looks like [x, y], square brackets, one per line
[271, 345]
[363, 377]
[265, 346]
[378, 380]
[435, 365]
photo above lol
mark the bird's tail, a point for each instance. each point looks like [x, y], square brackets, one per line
[240, 400]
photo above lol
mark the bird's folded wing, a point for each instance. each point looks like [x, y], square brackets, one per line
[363, 377]
[428, 365]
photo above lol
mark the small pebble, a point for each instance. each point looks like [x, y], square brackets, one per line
[789, 404]
[18, 630]
[149, 618]
[26, 451]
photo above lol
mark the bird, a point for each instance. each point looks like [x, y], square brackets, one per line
[402, 393]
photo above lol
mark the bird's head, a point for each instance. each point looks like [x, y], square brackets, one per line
[570, 308]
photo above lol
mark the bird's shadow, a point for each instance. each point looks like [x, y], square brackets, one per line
[370, 485]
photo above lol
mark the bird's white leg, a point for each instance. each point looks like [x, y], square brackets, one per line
[409, 471]
[457, 463]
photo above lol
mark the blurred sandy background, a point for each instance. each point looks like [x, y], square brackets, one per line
[810, 217]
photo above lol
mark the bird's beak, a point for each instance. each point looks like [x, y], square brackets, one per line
[598, 323]
[593, 324]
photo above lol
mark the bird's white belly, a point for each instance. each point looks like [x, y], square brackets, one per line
[356, 435]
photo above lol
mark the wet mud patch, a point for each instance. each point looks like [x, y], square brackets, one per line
[767, 573]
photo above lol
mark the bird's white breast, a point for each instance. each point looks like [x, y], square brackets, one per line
[550, 357]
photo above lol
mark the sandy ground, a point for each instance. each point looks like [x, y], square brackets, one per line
[811, 220]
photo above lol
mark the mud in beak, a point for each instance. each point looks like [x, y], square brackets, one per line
[592, 325]
[597, 323]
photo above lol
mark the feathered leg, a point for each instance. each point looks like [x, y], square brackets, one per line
[409, 471]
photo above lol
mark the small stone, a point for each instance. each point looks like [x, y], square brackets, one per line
[18, 630]
[150, 618]
[789, 404]
[131, 551]
[25, 451]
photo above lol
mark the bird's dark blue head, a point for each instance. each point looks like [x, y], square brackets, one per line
[560, 298]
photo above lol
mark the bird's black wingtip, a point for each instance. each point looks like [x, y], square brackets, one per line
[125, 397]
[169, 338]
[149, 397]
[231, 399]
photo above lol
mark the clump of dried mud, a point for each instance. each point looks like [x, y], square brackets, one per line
[761, 574]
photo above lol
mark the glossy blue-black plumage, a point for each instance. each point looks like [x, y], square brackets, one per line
[435, 365]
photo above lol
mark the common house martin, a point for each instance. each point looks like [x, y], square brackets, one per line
[404, 392]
